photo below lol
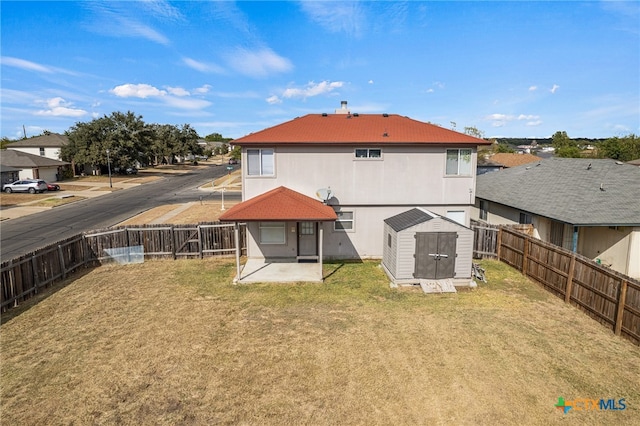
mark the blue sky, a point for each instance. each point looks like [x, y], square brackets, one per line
[512, 69]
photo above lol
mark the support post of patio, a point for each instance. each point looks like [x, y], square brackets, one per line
[236, 234]
[320, 245]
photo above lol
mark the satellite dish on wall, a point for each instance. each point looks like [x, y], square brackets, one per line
[324, 194]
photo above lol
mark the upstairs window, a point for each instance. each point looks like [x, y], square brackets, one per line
[368, 153]
[459, 162]
[42, 152]
[525, 219]
[260, 162]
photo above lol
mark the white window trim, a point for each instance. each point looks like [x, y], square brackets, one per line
[368, 158]
[273, 226]
[260, 174]
[352, 220]
[446, 154]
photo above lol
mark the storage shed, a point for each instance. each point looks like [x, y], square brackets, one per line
[420, 244]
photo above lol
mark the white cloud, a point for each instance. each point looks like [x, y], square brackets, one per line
[260, 63]
[58, 107]
[178, 91]
[137, 91]
[337, 17]
[123, 19]
[201, 66]
[273, 100]
[186, 103]
[173, 96]
[202, 89]
[24, 64]
[500, 120]
[312, 89]
[370, 81]
[554, 88]
[533, 88]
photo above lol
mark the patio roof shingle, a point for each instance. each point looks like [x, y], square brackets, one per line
[280, 204]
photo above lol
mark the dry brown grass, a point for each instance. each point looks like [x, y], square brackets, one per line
[207, 211]
[177, 343]
[16, 198]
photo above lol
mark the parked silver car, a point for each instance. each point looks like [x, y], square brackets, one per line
[29, 185]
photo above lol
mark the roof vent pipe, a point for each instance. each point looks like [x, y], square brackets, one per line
[343, 108]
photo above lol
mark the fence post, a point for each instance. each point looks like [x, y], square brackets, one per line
[622, 300]
[569, 287]
[499, 243]
[12, 283]
[61, 256]
[173, 242]
[199, 241]
[525, 255]
[34, 272]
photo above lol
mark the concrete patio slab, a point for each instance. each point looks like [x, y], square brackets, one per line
[261, 270]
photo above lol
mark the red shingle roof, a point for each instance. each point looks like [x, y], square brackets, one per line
[357, 128]
[281, 204]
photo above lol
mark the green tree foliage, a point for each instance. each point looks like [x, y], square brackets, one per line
[129, 141]
[216, 137]
[564, 145]
[4, 142]
[473, 131]
[125, 135]
[236, 152]
[626, 148]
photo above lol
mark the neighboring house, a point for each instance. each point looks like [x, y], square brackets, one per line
[589, 206]
[47, 146]
[32, 166]
[366, 167]
[504, 160]
[8, 174]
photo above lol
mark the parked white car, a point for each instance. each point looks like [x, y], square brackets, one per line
[30, 185]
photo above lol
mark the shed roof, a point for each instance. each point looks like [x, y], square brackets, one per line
[280, 204]
[22, 160]
[380, 129]
[576, 191]
[407, 219]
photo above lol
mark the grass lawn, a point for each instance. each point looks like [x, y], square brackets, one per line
[177, 343]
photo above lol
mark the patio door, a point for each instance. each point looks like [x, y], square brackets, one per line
[435, 255]
[307, 239]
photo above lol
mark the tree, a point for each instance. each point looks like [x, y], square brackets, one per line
[126, 137]
[565, 146]
[626, 148]
[473, 131]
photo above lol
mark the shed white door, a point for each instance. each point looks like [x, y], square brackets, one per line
[435, 256]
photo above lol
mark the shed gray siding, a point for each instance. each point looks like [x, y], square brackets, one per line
[399, 259]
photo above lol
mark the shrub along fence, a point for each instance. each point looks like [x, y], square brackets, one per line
[25, 276]
[608, 296]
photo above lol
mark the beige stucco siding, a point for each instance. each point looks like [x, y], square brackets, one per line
[52, 153]
[404, 175]
[617, 247]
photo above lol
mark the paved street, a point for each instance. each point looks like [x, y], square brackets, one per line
[21, 235]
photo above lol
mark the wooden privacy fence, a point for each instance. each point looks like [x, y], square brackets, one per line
[611, 298]
[485, 240]
[24, 277]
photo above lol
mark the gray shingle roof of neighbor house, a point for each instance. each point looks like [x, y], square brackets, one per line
[578, 191]
[22, 160]
[52, 140]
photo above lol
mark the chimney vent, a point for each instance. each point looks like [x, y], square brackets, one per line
[343, 108]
